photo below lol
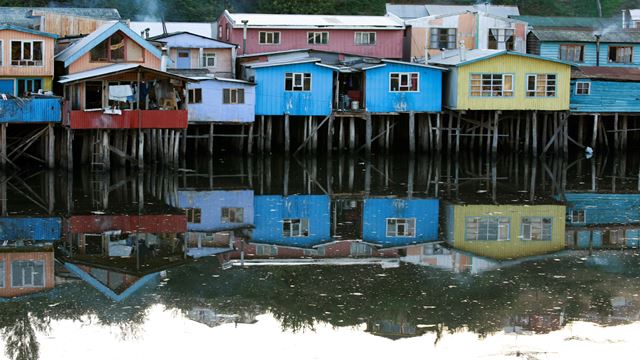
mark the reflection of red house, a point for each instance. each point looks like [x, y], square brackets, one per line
[168, 223]
[26, 272]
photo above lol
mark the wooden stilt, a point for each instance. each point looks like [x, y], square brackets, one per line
[287, 134]
[140, 149]
[518, 132]
[250, 138]
[210, 143]
[449, 134]
[565, 137]
[261, 134]
[387, 134]
[438, 132]
[330, 136]
[495, 127]
[267, 145]
[352, 133]
[534, 133]
[341, 135]
[412, 135]
[616, 134]
[3, 147]
[580, 129]
[106, 154]
[314, 134]
[69, 149]
[51, 143]
[527, 122]
[594, 134]
[369, 131]
[623, 141]
[458, 129]
[183, 144]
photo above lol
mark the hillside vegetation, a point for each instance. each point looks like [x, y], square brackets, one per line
[208, 10]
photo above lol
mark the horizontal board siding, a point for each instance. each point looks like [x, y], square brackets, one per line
[38, 229]
[515, 247]
[520, 66]
[211, 203]
[84, 63]
[148, 119]
[552, 51]
[31, 110]
[607, 96]
[602, 209]
[212, 108]
[49, 276]
[97, 224]
[47, 57]
[379, 98]
[272, 99]
[377, 211]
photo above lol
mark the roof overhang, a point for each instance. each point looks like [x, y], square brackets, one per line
[118, 69]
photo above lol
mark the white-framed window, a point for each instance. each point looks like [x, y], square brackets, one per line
[266, 250]
[233, 96]
[487, 228]
[27, 273]
[2, 275]
[360, 249]
[269, 37]
[365, 38]
[404, 82]
[572, 53]
[208, 59]
[541, 85]
[442, 38]
[317, 38]
[492, 85]
[583, 88]
[232, 215]
[27, 53]
[578, 216]
[297, 82]
[401, 227]
[195, 96]
[194, 215]
[536, 228]
[295, 227]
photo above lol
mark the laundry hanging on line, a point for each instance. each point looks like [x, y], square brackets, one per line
[120, 92]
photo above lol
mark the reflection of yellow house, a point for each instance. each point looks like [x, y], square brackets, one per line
[506, 231]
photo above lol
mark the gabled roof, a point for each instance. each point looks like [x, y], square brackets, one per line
[618, 36]
[412, 11]
[471, 56]
[199, 41]
[155, 27]
[567, 22]
[26, 30]
[611, 73]
[313, 21]
[83, 46]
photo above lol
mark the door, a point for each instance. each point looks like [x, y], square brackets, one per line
[7, 86]
[184, 60]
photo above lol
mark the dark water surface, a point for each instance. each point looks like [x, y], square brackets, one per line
[324, 258]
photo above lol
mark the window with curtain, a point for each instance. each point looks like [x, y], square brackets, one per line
[442, 38]
[492, 85]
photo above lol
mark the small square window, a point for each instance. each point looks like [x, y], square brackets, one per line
[401, 227]
[578, 217]
[194, 215]
[195, 96]
[295, 227]
[232, 215]
[583, 88]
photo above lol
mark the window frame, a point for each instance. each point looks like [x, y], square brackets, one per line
[361, 34]
[30, 81]
[193, 214]
[439, 35]
[109, 58]
[293, 76]
[273, 38]
[503, 76]
[620, 47]
[230, 93]
[392, 224]
[22, 58]
[534, 93]
[194, 96]
[302, 223]
[588, 83]
[574, 46]
[205, 57]
[502, 32]
[409, 77]
[573, 216]
[313, 35]
[44, 280]
[231, 218]
[531, 225]
[497, 219]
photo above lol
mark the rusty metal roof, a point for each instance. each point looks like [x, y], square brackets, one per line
[606, 73]
[618, 36]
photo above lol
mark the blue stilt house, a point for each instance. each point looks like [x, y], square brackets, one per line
[605, 90]
[30, 230]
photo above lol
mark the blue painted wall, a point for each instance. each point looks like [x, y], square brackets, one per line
[606, 96]
[31, 110]
[552, 50]
[212, 109]
[211, 203]
[38, 229]
[376, 212]
[602, 209]
[272, 99]
[271, 210]
[378, 98]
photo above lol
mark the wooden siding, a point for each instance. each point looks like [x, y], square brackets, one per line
[6, 36]
[224, 65]
[551, 50]
[602, 209]
[65, 24]
[272, 99]
[377, 211]
[32, 110]
[515, 247]
[379, 98]
[84, 63]
[6, 258]
[129, 119]
[520, 66]
[212, 109]
[606, 97]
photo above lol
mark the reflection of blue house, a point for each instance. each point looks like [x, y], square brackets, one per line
[603, 220]
[217, 210]
[398, 222]
[297, 220]
[30, 229]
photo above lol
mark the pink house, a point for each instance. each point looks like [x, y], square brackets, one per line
[375, 36]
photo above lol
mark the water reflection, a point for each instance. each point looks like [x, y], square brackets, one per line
[396, 247]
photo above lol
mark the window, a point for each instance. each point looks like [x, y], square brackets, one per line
[233, 96]
[360, 249]
[110, 50]
[27, 273]
[194, 215]
[2, 276]
[195, 96]
[541, 85]
[93, 95]
[26, 53]
[621, 54]
[442, 38]
[295, 227]
[232, 215]
[297, 82]
[269, 38]
[26, 86]
[228, 31]
[318, 38]
[501, 39]
[578, 217]
[487, 228]
[365, 38]
[403, 82]
[492, 85]
[266, 250]
[401, 227]
[583, 88]
[537, 228]
[219, 31]
[572, 53]
[208, 59]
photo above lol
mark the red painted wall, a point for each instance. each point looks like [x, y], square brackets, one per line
[83, 224]
[149, 119]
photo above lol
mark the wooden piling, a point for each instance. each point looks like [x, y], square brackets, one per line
[594, 134]
[527, 126]
[494, 142]
[287, 134]
[250, 138]
[449, 128]
[341, 135]
[106, 154]
[518, 132]
[438, 133]
[210, 143]
[267, 145]
[458, 125]
[330, 135]
[369, 131]
[51, 147]
[412, 135]
[352, 134]
[534, 133]
[140, 149]
[3, 147]
[616, 134]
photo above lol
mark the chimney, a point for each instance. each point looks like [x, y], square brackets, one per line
[624, 19]
[164, 59]
[146, 33]
[164, 27]
[598, 49]
[244, 36]
[462, 51]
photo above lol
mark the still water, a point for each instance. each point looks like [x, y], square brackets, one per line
[324, 258]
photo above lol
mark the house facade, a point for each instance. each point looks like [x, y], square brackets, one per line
[221, 100]
[26, 271]
[604, 90]
[389, 222]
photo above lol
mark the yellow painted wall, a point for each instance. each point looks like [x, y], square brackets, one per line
[520, 66]
[515, 247]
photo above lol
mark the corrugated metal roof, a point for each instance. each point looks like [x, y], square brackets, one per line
[569, 22]
[27, 30]
[606, 73]
[195, 41]
[313, 21]
[408, 11]
[23, 16]
[112, 69]
[155, 27]
[499, 10]
[471, 56]
[587, 36]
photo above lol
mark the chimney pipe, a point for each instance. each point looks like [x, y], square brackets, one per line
[164, 59]
[164, 27]
[598, 49]
[624, 19]
[244, 36]
[462, 51]
[146, 33]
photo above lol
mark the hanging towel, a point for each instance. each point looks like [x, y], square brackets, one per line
[120, 92]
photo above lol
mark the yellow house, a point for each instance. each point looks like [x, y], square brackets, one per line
[26, 60]
[504, 80]
[506, 231]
